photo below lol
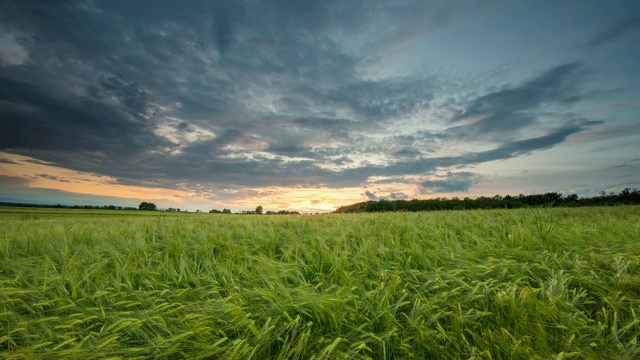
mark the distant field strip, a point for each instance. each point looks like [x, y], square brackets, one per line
[499, 284]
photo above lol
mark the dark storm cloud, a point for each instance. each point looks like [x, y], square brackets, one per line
[619, 30]
[38, 118]
[246, 93]
[129, 93]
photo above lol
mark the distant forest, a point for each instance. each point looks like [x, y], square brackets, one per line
[551, 199]
[61, 206]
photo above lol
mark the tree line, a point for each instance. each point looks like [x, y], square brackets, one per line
[259, 211]
[550, 199]
[147, 206]
[61, 206]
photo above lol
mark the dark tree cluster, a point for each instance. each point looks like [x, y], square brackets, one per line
[283, 212]
[147, 206]
[216, 211]
[259, 211]
[61, 206]
[551, 199]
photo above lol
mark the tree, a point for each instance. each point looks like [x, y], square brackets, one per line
[572, 197]
[147, 206]
[259, 210]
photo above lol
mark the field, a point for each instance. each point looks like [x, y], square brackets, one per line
[499, 284]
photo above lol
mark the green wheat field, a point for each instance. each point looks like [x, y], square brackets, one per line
[546, 283]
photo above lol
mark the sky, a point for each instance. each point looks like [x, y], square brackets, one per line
[311, 105]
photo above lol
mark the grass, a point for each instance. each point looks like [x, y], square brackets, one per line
[539, 284]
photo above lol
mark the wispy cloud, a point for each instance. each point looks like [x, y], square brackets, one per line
[626, 27]
[508, 110]
[520, 147]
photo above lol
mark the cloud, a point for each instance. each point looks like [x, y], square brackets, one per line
[385, 98]
[222, 95]
[223, 31]
[371, 196]
[11, 53]
[451, 183]
[392, 196]
[72, 123]
[398, 196]
[7, 161]
[623, 28]
[129, 94]
[51, 177]
[516, 148]
[511, 109]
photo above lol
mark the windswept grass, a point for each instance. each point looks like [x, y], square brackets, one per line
[540, 284]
